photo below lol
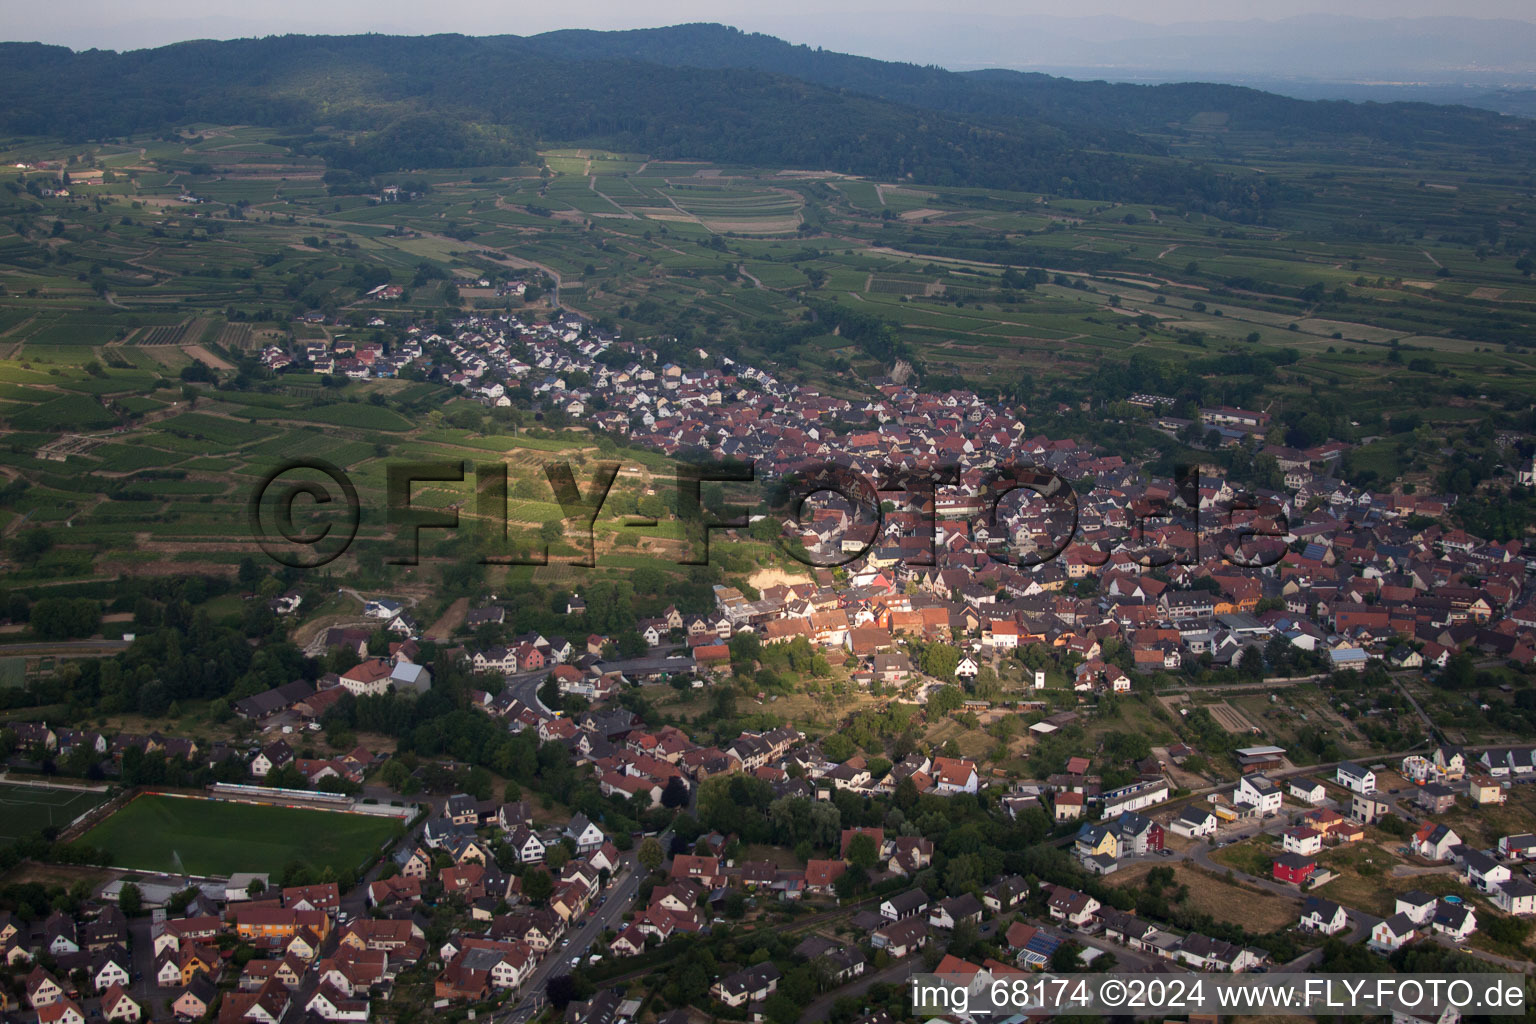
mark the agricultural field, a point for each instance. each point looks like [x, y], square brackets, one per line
[215, 837]
[140, 375]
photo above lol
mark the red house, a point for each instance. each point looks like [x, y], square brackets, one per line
[529, 658]
[1295, 868]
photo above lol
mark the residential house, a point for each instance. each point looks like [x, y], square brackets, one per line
[1355, 778]
[753, 984]
[1434, 842]
[1324, 916]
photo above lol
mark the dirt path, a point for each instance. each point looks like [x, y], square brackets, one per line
[451, 620]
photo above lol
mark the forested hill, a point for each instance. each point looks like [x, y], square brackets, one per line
[373, 103]
[1101, 107]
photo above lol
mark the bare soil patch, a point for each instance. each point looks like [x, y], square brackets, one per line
[1229, 718]
[756, 225]
[202, 355]
[773, 576]
[450, 620]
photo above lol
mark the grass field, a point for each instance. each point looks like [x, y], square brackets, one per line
[1225, 901]
[25, 810]
[210, 837]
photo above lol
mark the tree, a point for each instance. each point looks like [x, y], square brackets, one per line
[131, 899]
[940, 661]
[630, 644]
[1067, 959]
[1459, 671]
[561, 989]
[946, 700]
[650, 854]
[862, 851]
[675, 794]
[837, 747]
[781, 1009]
[538, 885]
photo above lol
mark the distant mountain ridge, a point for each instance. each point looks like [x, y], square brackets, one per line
[707, 92]
[1000, 92]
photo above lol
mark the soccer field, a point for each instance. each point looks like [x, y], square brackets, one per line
[27, 810]
[215, 837]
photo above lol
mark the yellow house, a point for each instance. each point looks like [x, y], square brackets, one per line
[1096, 840]
[1485, 790]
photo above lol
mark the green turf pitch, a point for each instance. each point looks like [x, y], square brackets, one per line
[27, 810]
[212, 837]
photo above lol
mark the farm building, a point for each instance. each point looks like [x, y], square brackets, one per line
[1260, 759]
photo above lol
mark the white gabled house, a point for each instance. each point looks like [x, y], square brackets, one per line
[1516, 896]
[1355, 778]
[1482, 872]
[1458, 920]
[1308, 791]
[1393, 933]
[1324, 916]
[1434, 842]
[1194, 823]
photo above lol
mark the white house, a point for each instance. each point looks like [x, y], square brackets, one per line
[1134, 797]
[111, 972]
[1308, 791]
[1069, 905]
[954, 775]
[587, 836]
[1458, 920]
[1434, 842]
[1355, 778]
[1325, 916]
[1516, 896]
[1417, 906]
[1393, 933]
[119, 1006]
[1260, 792]
[1305, 841]
[382, 609]
[1482, 872]
[751, 985]
[1194, 823]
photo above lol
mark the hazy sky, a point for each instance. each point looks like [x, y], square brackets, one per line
[844, 24]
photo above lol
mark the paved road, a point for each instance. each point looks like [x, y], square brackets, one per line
[582, 940]
[821, 1008]
[525, 685]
